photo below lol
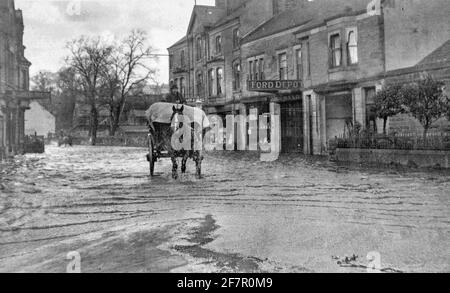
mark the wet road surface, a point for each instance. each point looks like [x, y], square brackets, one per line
[295, 215]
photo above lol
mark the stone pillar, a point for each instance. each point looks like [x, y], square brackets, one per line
[359, 107]
[275, 129]
[242, 128]
[307, 149]
[318, 116]
[253, 129]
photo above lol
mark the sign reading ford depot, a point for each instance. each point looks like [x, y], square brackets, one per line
[274, 85]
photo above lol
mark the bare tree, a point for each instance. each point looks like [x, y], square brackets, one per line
[128, 71]
[90, 58]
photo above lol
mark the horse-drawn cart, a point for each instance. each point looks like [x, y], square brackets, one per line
[165, 120]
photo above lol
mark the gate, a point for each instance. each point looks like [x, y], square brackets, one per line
[292, 127]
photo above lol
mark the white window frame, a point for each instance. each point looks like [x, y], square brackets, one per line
[347, 51]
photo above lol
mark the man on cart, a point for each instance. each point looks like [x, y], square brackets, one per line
[174, 96]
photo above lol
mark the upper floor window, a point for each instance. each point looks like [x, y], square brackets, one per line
[256, 69]
[170, 61]
[236, 37]
[299, 63]
[199, 48]
[237, 76]
[218, 44]
[219, 81]
[182, 59]
[335, 50]
[352, 47]
[308, 59]
[211, 81]
[282, 65]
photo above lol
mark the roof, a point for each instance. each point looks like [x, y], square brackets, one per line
[440, 55]
[179, 42]
[309, 14]
[206, 15]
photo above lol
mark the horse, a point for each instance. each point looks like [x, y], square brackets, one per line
[65, 141]
[196, 155]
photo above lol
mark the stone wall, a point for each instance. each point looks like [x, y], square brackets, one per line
[421, 159]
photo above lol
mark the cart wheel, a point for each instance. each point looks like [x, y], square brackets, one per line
[151, 155]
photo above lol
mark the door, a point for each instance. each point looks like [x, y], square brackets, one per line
[292, 127]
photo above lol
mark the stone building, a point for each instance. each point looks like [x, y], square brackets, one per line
[14, 80]
[318, 64]
[205, 64]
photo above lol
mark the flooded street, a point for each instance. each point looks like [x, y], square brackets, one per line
[295, 215]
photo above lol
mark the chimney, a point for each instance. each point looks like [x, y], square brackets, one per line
[221, 4]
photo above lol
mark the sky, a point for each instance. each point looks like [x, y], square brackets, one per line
[50, 24]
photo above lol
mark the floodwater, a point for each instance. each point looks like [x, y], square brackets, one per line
[297, 214]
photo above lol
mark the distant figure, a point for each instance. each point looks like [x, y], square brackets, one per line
[64, 140]
[175, 97]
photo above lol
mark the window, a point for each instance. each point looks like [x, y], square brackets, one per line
[211, 81]
[218, 44]
[256, 69]
[219, 81]
[175, 82]
[282, 65]
[335, 50]
[171, 61]
[182, 58]
[299, 63]
[199, 48]
[250, 70]
[261, 69]
[237, 76]
[199, 83]
[352, 48]
[236, 37]
[308, 60]
[24, 79]
[182, 87]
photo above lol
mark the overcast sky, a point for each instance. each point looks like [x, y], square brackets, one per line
[50, 24]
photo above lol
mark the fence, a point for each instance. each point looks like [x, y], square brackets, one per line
[403, 141]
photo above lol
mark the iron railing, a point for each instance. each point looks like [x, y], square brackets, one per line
[401, 141]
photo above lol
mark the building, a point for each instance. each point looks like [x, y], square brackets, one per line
[39, 121]
[15, 96]
[318, 64]
[205, 64]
